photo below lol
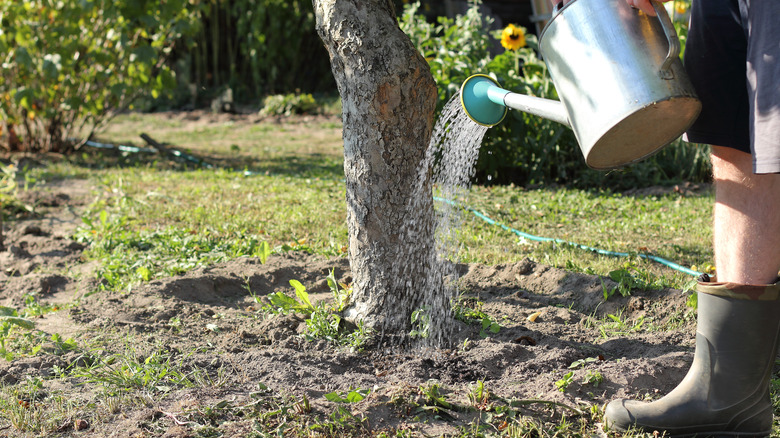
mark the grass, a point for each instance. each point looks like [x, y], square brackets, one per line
[669, 226]
[276, 187]
[293, 195]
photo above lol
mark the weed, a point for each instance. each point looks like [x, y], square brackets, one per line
[175, 324]
[692, 301]
[421, 323]
[341, 422]
[203, 378]
[565, 381]
[433, 401]
[322, 321]
[352, 396]
[628, 278]
[303, 406]
[479, 396]
[690, 288]
[341, 292]
[9, 320]
[121, 372]
[18, 335]
[593, 377]
[582, 363]
[616, 325]
[470, 311]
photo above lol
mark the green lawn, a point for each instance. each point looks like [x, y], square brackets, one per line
[283, 183]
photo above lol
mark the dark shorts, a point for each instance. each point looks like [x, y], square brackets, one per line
[733, 58]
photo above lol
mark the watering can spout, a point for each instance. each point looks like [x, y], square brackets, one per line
[486, 103]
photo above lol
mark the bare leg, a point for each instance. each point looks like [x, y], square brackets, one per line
[746, 220]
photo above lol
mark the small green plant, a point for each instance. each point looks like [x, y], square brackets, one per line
[479, 396]
[582, 363]
[565, 381]
[628, 277]
[303, 406]
[593, 377]
[322, 320]
[175, 324]
[489, 326]
[693, 297]
[341, 292]
[18, 335]
[433, 401]
[421, 323]
[6, 327]
[285, 303]
[470, 311]
[617, 325]
[126, 371]
[352, 396]
[692, 301]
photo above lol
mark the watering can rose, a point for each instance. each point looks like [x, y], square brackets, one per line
[513, 37]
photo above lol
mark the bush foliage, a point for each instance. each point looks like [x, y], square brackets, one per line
[288, 104]
[526, 149]
[68, 66]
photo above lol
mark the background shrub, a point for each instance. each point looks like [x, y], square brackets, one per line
[289, 104]
[68, 66]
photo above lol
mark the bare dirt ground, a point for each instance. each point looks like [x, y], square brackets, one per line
[250, 363]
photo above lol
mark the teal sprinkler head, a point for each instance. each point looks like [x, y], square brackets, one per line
[486, 103]
[483, 100]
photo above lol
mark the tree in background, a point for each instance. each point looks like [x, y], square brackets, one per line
[70, 66]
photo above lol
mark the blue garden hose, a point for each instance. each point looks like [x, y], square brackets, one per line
[487, 219]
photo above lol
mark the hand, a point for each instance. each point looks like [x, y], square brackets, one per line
[644, 6]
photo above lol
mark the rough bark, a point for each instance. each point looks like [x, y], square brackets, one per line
[388, 99]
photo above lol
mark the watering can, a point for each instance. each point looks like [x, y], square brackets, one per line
[622, 86]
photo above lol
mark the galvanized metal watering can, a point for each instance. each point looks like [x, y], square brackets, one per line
[618, 73]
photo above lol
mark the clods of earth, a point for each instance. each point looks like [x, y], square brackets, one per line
[195, 354]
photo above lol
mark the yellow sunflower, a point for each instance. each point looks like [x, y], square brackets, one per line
[513, 37]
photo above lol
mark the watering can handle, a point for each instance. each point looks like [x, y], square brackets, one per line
[671, 36]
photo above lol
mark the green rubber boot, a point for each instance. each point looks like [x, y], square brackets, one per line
[726, 390]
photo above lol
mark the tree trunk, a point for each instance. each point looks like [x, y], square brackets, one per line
[388, 99]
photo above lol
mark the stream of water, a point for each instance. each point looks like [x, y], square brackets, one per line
[450, 163]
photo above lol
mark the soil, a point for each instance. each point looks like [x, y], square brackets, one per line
[210, 324]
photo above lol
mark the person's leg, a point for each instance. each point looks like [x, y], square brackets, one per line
[746, 223]
[726, 390]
